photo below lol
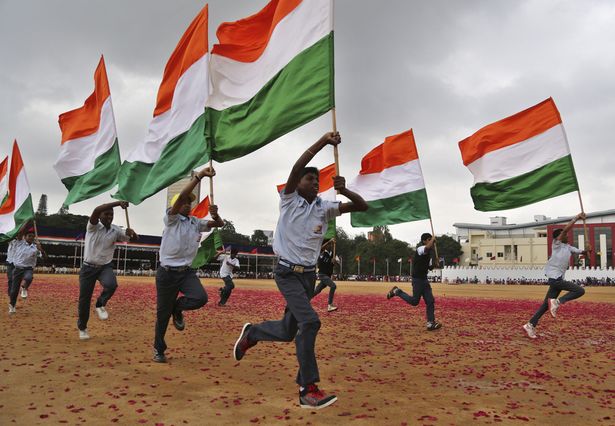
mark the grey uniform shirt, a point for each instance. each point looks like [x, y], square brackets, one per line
[10, 251]
[225, 269]
[180, 239]
[560, 259]
[24, 254]
[302, 227]
[100, 243]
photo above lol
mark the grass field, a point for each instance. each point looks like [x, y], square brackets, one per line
[374, 354]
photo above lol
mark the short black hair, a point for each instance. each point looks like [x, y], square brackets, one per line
[307, 170]
[234, 250]
[557, 233]
[425, 236]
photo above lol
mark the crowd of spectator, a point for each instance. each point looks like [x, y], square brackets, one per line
[589, 281]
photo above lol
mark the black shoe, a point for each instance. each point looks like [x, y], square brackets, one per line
[178, 320]
[221, 303]
[242, 344]
[159, 357]
[315, 399]
[392, 292]
[431, 326]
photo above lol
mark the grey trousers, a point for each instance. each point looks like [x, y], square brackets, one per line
[326, 281]
[421, 288]
[88, 275]
[9, 276]
[168, 285]
[19, 275]
[299, 323]
[556, 286]
[225, 292]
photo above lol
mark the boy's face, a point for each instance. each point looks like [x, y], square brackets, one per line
[106, 217]
[564, 238]
[29, 237]
[184, 210]
[308, 186]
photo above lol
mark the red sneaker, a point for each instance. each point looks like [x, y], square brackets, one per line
[314, 398]
[243, 344]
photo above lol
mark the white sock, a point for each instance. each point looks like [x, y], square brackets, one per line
[301, 388]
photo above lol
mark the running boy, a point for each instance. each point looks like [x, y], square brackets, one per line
[421, 264]
[180, 243]
[298, 239]
[26, 250]
[10, 251]
[100, 238]
[555, 270]
[325, 272]
[229, 264]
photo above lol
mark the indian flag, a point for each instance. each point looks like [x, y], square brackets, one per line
[212, 241]
[326, 192]
[17, 209]
[4, 180]
[391, 181]
[271, 73]
[89, 155]
[175, 142]
[520, 160]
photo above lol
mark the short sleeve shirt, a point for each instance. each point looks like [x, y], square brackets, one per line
[24, 255]
[302, 227]
[225, 269]
[180, 239]
[100, 243]
[560, 259]
[10, 251]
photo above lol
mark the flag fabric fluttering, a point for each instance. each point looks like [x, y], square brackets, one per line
[17, 208]
[89, 157]
[391, 181]
[176, 142]
[4, 180]
[326, 192]
[520, 160]
[210, 242]
[271, 73]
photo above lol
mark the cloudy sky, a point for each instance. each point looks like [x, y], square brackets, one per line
[443, 68]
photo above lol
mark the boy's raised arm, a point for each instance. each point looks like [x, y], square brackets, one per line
[330, 138]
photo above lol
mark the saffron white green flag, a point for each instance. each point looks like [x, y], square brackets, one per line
[175, 143]
[271, 73]
[211, 242]
[4, 180]
[89, 156]
[391, 181]
[17, 209]
[520, 160]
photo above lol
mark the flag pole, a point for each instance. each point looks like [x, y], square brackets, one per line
[435, 244]
[211, 183]
[578, 188]
[127, 219]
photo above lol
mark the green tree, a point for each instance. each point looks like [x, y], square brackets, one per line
[259, 238]
[230, 236]
[448, 248]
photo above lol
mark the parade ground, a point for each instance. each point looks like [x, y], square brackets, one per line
[374, 354]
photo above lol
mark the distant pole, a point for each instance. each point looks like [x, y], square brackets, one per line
[125, 256]
[374, 269]
[400, 263]
[387, 266]
[75, 258]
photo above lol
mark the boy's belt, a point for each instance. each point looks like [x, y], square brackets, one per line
[176, 268]
[300, 269]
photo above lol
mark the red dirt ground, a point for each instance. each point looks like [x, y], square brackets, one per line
[373, 353]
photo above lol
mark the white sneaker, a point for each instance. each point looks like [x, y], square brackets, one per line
[331, 308]
[24, 292]
[12, 309]
[102, 313]
[553, 306]
[530, 330]
[83, 334]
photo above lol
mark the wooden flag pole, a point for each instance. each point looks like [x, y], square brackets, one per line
[584, 221]
[435, 244]
[336, 155]
[211, 183]
[127, 219]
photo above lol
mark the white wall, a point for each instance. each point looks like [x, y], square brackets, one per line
[452, 272]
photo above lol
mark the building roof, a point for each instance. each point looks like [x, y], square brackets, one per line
[529, 224]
